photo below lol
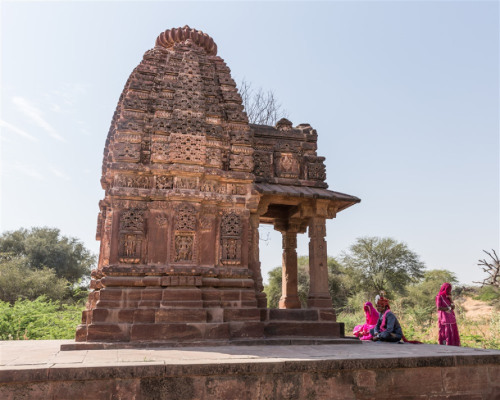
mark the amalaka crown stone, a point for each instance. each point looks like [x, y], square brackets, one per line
[172, 36]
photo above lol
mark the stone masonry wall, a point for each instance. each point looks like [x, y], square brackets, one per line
[337, 379]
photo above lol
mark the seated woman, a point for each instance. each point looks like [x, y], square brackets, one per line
[371, 318]
[388, 328]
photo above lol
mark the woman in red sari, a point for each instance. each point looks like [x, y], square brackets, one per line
[448, 331]
[371, 318]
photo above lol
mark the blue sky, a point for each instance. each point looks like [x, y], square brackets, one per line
[404, 95]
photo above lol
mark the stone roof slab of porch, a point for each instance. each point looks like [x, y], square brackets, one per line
[341, 200]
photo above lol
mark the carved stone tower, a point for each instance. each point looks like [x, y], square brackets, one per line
[187, 181]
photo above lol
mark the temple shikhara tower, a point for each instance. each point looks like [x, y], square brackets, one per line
[187, 182]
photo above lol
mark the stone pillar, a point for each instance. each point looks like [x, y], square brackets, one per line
[254, 261]
[289, 293]
[319, 296]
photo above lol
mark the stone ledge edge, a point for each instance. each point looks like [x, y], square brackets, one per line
[160, 369]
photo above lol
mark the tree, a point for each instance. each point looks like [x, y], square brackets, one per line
[261, 107]
[339, 283]
[343, 285]
[492, 268]
[19, 282]
[273, 289]
[42, 248]
[382, 264]
[421, 296]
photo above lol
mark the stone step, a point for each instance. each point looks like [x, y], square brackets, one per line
[168, 314]
[305, 328]
[166, 329]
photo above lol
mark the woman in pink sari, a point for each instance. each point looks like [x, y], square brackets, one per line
[448, 331]
[363, 331]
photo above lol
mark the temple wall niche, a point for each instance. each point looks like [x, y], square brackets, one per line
[132, 236]
[158, 236]
[184, 246]
[231, 241]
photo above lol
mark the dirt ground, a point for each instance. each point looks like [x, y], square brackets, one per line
[476, 309]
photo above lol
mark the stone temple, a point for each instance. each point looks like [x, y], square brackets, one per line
[187, 182]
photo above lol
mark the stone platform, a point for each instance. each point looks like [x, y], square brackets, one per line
[39, 370]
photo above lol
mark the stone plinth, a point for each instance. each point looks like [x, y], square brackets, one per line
[38, 370]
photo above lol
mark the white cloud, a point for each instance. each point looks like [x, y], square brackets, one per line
[68, 94]
[55, 107]
[36, 116]
[18, 131]
[29, 170]
[59, 173]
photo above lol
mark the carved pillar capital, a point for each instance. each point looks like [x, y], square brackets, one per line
[289, 240]
[317, 227]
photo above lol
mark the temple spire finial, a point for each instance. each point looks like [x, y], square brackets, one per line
[172, 36]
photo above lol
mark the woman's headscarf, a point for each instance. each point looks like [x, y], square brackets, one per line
[445, 289]
[371, 313]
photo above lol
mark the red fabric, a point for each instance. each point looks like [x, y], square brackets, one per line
[382, 301]
[411, 341]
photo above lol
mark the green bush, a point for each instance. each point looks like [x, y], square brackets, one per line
[39, 319]
[488, 294]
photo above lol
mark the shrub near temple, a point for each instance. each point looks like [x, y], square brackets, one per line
[38, 319]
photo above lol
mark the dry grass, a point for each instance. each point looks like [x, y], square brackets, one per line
[477, 327]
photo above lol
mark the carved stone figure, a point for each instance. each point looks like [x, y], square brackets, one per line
[183, 248]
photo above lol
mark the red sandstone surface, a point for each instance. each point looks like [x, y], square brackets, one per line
[187, 182]
[39, 370]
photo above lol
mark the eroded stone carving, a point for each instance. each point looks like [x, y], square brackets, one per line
[162, 220]
[132, 226]
[131, 181]
[263, 164]
[231, 229]
[132, 220]
[231, 224]
[184, 247]
[164, 182]
[127, 152]
[206, 222]
[187, 148]
[289, 166]
[185, 218]
[186, 183]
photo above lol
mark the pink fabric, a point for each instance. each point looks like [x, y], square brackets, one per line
[371, 313]
[371, 318]
[445, 289]
[447, 322]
